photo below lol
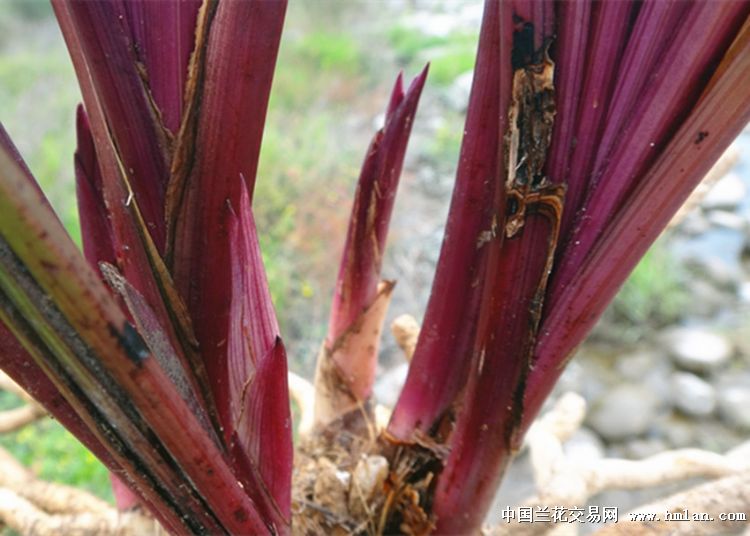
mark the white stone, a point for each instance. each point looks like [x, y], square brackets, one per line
[697, 350]
[734, 406]
[388, 387]
[693, 395]
[729, 220]
[624, 412]
[744, 291]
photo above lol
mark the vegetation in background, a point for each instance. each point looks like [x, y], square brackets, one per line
[54, 454]
[655, 294]
[449, 55]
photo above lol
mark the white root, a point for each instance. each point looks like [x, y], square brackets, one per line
[730, 494]
[24, 517]
[569, 483]
[405, 329]
[31, 506]
[13, 419]
[303, 393]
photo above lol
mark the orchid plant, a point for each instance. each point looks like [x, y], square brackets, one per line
[588, 125]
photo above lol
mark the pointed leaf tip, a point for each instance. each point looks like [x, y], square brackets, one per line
[260, 431]
[397, 95]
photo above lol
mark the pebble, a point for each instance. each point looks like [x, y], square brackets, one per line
[720, 272]
[573, 378]
[728, 192]
[636, 365]
[734, 406]
[697, 350]
[729, 220]
[695, 223]
[650, 368]
[692, 395]
[655, 381]
[744, 291]
[388, 387]
[624, 412]
[639, 449]
[706, 299]
[678, 431]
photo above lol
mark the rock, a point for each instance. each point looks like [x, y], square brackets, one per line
[583, 446]
[573, 378]
[695, 223]
[648, 367]
[730, 220]
[728, 192]
[717, 436]
[624, 412]
[734, 406]
[678, 431]
[697, 350]
[707, 300]
[639, 449]
[720, 272]
[655, 380]
[744, 292]
[692, 395]
[636, 365]
[389, 385]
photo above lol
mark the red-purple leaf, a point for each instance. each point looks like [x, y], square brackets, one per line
[720, 114]
[261, 445]
[520, 256]
[442, 358]
[511, 373]
[96, 225]
[163, 33]
[131, 253]
[135, 253]
[260, 432]
[75, 331]
[571, 48]
[654, 30]
[607, 39]
[223, 148]
[487, 426]
[101, 35]
[673, 87]
[359, 272]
